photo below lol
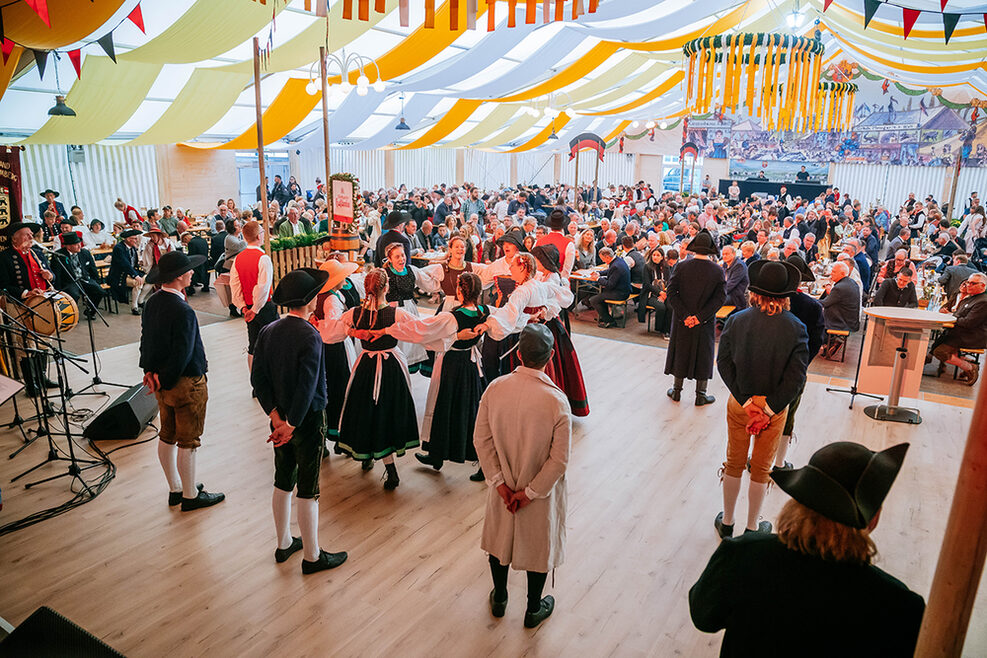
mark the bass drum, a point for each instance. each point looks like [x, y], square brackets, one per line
[56, 312]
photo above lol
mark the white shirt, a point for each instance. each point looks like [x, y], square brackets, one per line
[265, 275]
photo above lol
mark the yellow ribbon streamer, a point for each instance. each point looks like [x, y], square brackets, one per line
[542, 136]
[457, 114]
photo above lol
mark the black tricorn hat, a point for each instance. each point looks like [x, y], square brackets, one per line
[299, 287]
[514, 235]
[396, 218]
[70, 238]
[16, 226]
[844, 481]
[547, 255]
[130, 232]
[172, 265]
[804, 270]
[773, 278]
[703, 243]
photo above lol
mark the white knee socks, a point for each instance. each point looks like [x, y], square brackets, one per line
[755, 497]
[186, 469]
[783, 444]
[167, 455]
[731, 491]
[308, 521]
[281, 505]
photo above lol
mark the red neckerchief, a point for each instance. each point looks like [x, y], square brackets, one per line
[35, 280]
[157, 251]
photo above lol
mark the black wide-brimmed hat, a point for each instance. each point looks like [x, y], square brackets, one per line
[804, 270]
[556, 219]
[299, 287]
[514, 235]
[16, 226]
[95, 221]
[703, 243]
[49, 191]
[547, 255]
[844, 481]
[130, 232]
[172, 265]
[70, 238]
[396, 218]
[773, 278]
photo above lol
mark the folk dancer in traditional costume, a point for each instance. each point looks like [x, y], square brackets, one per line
[457, 382]
[174, 364]
[498, 276]
[522, 437]
[126, 276]
[289, 381]
[378, 420]
[402, 277]
[251, 278]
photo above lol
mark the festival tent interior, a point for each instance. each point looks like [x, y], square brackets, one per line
[165, 102]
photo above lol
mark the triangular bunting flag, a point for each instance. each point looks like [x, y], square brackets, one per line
[985, 22]
[76, 57]
[348, 9]
[511, 13]
[870, 8]
[911, 15]
[826, 4]
[41, 59]
[40, 7]
[949, 22]
[106, 43]
[592, 6]
[8, 47]
[491, 15]
[137, 18]
[529, 13]
[942, 4]
[2, 37]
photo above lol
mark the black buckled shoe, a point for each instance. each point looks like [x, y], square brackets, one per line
[497, 608]
[763, 527]
[704, 398]
[175, 497]
[326, 561]
[478, 476]
[674, 393]
[532, 619]
[427, 460]
[723, 530]
[204, 499]
[367, 465]
[786, 467]
[282, 554]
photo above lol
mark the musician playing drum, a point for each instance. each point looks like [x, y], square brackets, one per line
[25, 273]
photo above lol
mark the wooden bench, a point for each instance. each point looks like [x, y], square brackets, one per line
[836, 343]
[725, 312]
[973, 352]
[622, 305]
[111, 303]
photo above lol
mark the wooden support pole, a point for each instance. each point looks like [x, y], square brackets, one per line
[951, 200]
[260, 149]
[326, 182]
[596, 180]
[961, 560]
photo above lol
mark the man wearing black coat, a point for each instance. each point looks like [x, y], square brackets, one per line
[174, 364]
[50, 204]
[841, 300]
[969, 330]
[735, 271]
[899, 291]
[217, 249]
[762, 359]
[615, 284]
[954, 276]
[196, 245]
[126, 278]
[279, 192]
[75, 272]
[696, 291]
[393, 227]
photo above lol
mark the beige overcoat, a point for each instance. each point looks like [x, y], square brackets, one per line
[522, 438]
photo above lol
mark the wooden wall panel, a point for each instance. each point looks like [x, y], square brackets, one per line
[195, 179]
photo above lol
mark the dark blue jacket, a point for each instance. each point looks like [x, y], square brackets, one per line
[864, 267]
[872, 247]
[43, 208]
[289, 370]
[810, 313]
[170, 342]
[736, 285]
[765, 355]
[617, 278]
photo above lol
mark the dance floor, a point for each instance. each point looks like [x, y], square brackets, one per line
[643, 491]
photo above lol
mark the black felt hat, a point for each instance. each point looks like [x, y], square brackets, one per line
[172, 265]
[70, 238]
[396, 218]
[299, 287]
[804, 270]
[16, 226]
[514, 235]
[773, 278]
[703, 243]
[547, 255]
[49, 191]
[130, 232]
[845, 482]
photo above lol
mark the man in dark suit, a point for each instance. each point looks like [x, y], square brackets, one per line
[841, 300]
[735, 271]
[763, 359]
[392, 226]
[279, 192]
[196, 245]
[126, 278]
[425, 235]
[615, 284]
[968, 331]
[872, 246]
[899, 291]
[174, 364]
[954, 276]
[217, 249]
[75, 272]
[49, 203]
[608, 241]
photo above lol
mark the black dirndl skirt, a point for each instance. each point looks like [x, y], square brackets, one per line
[563, 369]
[448, 428]
[372, 428]
[496, 356]
[337, 378]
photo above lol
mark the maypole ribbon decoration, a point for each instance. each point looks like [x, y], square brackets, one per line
[772, 75]
[470, 10]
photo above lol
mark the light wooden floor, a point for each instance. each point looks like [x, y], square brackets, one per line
[643, 492]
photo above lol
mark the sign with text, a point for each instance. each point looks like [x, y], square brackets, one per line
[342, 201]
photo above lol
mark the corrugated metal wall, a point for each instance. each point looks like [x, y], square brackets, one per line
[972, 179]
[616, 168]
[888, 185]
[487, 170]
[425, 167]
[368, 166]
[535, 168]
[108, 173]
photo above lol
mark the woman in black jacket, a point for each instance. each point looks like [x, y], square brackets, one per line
[653, 290]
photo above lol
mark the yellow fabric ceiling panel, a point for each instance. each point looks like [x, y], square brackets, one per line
[290, 107]
[542, 136]
[520, 126]
[643, 79]
[71, 21]
[110, 96]
[494, 121]
[621, 127]
[204, 100]
[454, 118]
[647, 98]
[912, 68]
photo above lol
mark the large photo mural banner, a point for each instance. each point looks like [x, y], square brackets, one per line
[892, 124]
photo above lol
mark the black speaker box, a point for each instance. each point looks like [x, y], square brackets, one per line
[47, 634]
[125, 418]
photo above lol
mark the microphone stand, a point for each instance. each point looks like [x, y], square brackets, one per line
[856, 376]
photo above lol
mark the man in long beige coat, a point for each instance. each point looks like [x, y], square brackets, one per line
[522, 437]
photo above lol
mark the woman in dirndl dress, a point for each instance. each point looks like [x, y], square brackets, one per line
[402, 278]
[378, 419]
[457, 383]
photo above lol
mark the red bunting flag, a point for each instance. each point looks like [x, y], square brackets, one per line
[511, 13]
[911, 15]
[826, 4]
[137, 18]
[76, 57]
[430, 14]
[942, 4]
[985, 22]
[491, 15]
[380, 6]
[560, 10]
[40, 7]
[348, 9]
[364, 10]
[454, 15]
[592, 6]
[8, 47]
[529, 14]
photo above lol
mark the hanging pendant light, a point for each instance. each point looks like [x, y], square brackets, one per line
[61, 109]
[553, 135]
[401, 124]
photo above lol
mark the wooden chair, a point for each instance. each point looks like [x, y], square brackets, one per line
[973, 352]
[837, 338]
[622, 305]
[111, 303]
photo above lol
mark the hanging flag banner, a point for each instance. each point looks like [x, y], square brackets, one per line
[137, 18]
[106, 43]
[76, 58]
[40, 7]
[689, 148]
[587, 141]
[910, 16]
[949, 22]
[10, 189]
[342, 201]
[41, 60]
[870, 8]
